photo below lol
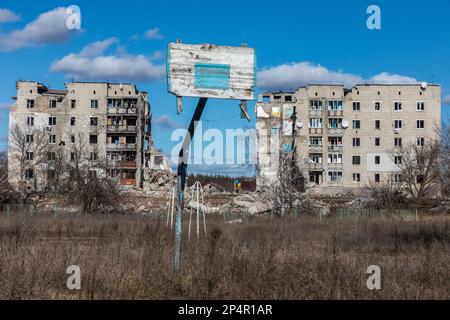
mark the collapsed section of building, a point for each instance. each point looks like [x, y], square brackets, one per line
[104, 122]
[344, 139]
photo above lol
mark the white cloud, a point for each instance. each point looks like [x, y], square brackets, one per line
[166, 123]
[7, 16]
[97, 48]
[389, 78]
[446, 99]
[290, 76]
[92, 64]
[154, 33]
[49, 27]
[5, 105]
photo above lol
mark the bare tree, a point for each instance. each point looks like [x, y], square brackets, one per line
[28, 149]
[87, 181]
[419, 168]
[289, 182]
[386, 194]
[444, 134]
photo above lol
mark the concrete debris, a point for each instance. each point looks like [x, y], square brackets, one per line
[202, 207]
[442, 208]
[236, 221]
[159, 180]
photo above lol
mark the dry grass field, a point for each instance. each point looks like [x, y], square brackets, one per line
[129, 257]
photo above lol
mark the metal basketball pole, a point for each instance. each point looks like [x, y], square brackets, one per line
[181, 179]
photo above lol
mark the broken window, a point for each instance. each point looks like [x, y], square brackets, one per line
[52, 104]
[377, 178]
[72, 156]
[94, 121]
[72, 121]
[73, 104]
[397, 106]
[334, 123]
[112, 103]
[377, 106]
[420, 124]
[288, 98]
[93, 139]
[29, 155]
[30, 121]
[315, 123]
[29, 138]
[94, 156]
[30, 104]
[398, 159]
[335, 141]
[51, 156]
[52, 121]
[398, 142]
[356, 160]
[52, 139]
[356, 124]
[377, 142]
[356, 177]
[316, 158]
[315, 105]
[130, 140]
[335, 176]
[29, 174]
[335, 105]
[159, 160]
[315, 141]
[72, 138]
[356, 142]
[377, 160]
[398, 124]
[335, 158]
[356, 106]
[420, 142]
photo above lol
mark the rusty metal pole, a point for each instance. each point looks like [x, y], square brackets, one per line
[181, 180]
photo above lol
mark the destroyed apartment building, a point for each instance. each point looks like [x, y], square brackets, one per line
[344, 139]
[112, 121]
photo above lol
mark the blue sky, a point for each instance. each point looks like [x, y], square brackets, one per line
[311, 40]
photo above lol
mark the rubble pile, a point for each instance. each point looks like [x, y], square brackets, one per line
[158, 180]
[442, 208]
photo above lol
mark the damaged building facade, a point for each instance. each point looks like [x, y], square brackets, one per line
[344, 139]
[111, 120]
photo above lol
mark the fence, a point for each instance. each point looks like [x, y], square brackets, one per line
[382, 214]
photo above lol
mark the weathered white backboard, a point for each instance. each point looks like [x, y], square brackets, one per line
[209, 71]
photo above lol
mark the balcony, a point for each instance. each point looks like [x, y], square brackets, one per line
[335, 148]
[315, 113]
[335, 181]
[122, 164]
[117, 110]
[121, 146]
[339, 131]
[335, 166]
[335, 113]
[315, 130]
[315, 166]
[118, 128]
[314, 148]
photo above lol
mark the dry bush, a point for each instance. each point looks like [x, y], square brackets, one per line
[129, 257]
